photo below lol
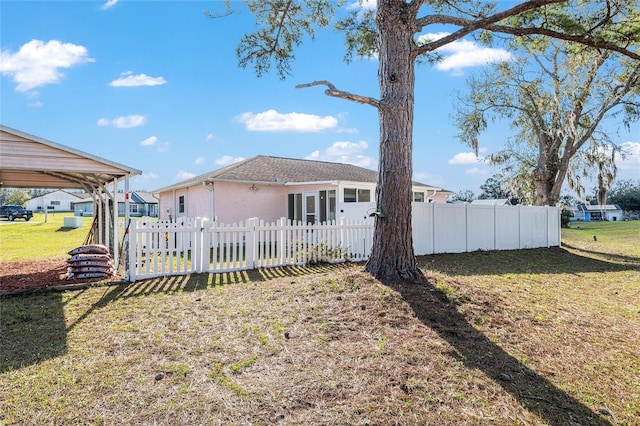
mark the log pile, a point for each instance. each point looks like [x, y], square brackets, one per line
[89, 261]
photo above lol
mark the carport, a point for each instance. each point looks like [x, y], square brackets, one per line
[28, 161]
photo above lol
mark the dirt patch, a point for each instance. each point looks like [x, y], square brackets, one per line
[36, 274]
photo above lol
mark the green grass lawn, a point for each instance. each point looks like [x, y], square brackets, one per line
[37, 239]
[530, 337]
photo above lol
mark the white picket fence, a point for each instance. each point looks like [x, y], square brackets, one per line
[199, 245]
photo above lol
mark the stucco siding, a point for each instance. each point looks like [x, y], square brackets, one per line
[197, 202]
[439, 197]
[236, 202]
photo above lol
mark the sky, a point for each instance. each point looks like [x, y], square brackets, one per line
[155, 85]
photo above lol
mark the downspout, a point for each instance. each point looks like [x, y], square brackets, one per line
[209, 186]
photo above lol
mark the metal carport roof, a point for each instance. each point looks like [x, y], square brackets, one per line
[28, 161]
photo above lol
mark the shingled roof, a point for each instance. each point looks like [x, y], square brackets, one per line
[280, 171]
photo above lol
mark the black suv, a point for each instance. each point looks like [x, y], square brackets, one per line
[13, 212]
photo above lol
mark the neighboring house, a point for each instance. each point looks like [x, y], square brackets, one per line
[273, 187]
[608, 212]
[55, 201]
[493, 202]
[140, 204]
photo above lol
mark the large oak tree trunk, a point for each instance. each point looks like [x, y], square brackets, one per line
[392, 256]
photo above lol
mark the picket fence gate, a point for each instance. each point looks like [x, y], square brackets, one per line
[199, 245]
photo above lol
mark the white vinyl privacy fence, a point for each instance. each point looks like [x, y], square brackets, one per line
[199, 245]
[457, 228]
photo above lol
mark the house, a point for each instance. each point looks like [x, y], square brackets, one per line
[273, 187]
[608, 212]
[493, 202]
[140, 204]
[54, 201]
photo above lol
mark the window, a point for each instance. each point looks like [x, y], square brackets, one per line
[327, 206]
[181, 204]
[364, 195]
[55, 203]
[418, 197]
[294, 207]
[133, 208]
[350, 195]
[353, 195]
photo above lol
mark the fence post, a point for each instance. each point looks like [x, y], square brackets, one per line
[548, 224]
[196, 246]
[251, 242]
[133, 240]
[466, 227]
[206, 244]
[519, 227]
[282, 242]
[559, 213]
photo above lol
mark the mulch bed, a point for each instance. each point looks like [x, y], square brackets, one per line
[39, 274]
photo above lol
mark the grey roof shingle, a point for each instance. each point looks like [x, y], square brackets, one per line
[280, 170]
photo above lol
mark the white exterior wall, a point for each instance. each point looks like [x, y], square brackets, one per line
[614, 215]
[41, 203]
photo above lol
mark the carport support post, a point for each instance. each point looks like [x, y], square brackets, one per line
[116, 254]
[125, 237]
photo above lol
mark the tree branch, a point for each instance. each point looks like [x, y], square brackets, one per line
[581, 39]
[470, 25]
[332, 91]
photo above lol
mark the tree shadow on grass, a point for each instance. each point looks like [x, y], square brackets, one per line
[476, 351]
[32, 329]
[554, 260]
[194, 282]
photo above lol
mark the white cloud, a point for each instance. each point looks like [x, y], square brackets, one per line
[346, 152]
[129, 80]
[464, 53]
[144, 178]
[429, 179]
[476, 171]
[629, 167]
[163, 147]
[225, 160]
[38, 63]
[362, 4]
[465, 158]
[273, 121]
[109, 4]
[199, 160]
[124, 122]
[182, 175]
[149, 141]
[211, 137]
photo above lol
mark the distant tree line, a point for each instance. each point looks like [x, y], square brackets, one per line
[625, 193]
